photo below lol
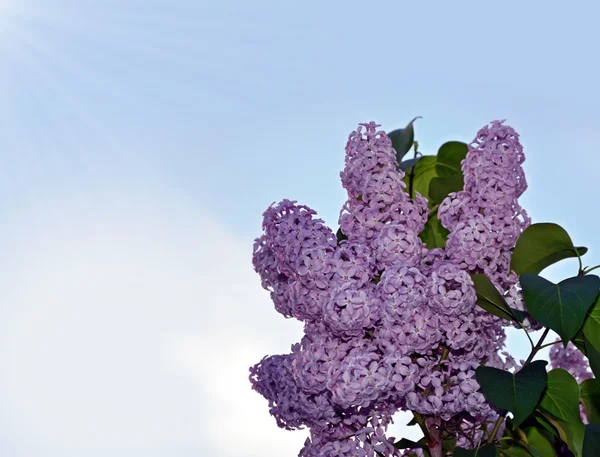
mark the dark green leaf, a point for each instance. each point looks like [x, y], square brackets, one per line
[540, 419]
[590, 397]
[490, 299]
[538, 440]
[579, 341]
[439, 188]
[405, 165]
[514, 451]
[517, 393]
[434, 234]
[424, 172]
[541, 245]
[449, 158]
[449, 444]
[591, 442]
[570, 433]
[487, 450]
[405, 443]
[561, 307]
[591, 326]
[340, 236]
[516, 447]
[403, 139]
[561, 398]
[593, 355]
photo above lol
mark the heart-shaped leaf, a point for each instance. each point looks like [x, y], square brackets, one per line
[591, 441]
[561, 398]
[423, 172]
[570, 433]
[541, 245]
[591, 325]
[593, 355]
[590, 397]
[449, 158]
[405, 443]
[491, 300]
[403, 139]
[439, 188]
[539, 440]
[434, 234]
[561, 307]
[518, 393]
[487, 450]
[407, 164]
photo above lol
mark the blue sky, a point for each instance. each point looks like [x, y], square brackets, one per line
[140, 142]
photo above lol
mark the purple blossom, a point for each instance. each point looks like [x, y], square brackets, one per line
[389, 324]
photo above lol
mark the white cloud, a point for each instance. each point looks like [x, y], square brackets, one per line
[127, 329]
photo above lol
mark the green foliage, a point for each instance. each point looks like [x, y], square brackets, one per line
[590, 397]
[541, 245]
[449, 173]
[487, 450]
[591, 443]
[492, 301]
[561, 398]
[570, 433]
[538, 440]
[424, 172]
[561, 307]
[405, 443]
[434, 234]
[518, 393]
[591, 326]
[403, 139]
[439, 188]
[593, 355]
[449, 158]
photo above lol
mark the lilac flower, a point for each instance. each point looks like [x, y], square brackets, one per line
[390, 324]
[572, 360]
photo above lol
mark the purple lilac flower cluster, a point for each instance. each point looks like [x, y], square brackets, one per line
[570, 359]
[389, 324]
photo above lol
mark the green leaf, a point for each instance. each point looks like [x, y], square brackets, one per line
[490, 299]
[541, 245]
[591, 325]
[561, 307]
[487, 450]
[538, 440]
[449, 158]
[561, 398]
[515, 451]
[518, 393]
[340, 236]
[439, 188]
[569, 433]
[579, 341]
[407, 164]
[424, 172]
[434, 234]
[403, 139]
[449, 444]
[593, 355]
[591, 442]
[590, 397]
[405, 443]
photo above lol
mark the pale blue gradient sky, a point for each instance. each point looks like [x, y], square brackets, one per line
[138, 139]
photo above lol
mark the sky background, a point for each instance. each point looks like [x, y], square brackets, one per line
[140, 142]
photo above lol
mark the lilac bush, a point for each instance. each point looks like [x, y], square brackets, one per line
[390, 324]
